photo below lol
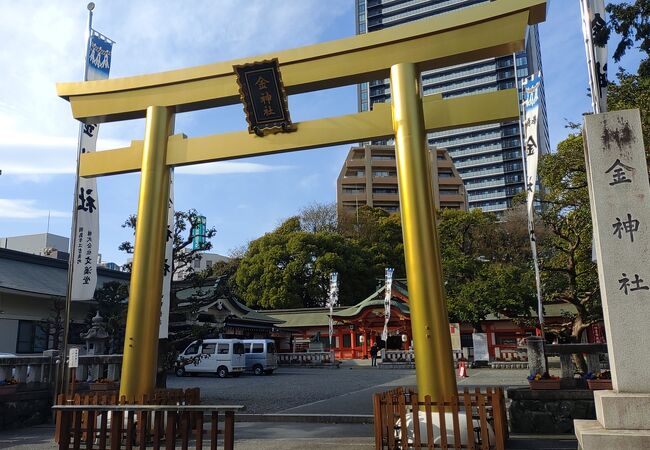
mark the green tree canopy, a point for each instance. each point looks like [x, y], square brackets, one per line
[380, 234]
[569, 274]
[111, 301]
[632, 91]
[182, 234]
[631, 21]
[290, 268]
[486, 266]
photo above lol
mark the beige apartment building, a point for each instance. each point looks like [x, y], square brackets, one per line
[369, 177]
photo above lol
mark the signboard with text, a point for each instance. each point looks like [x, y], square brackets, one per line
[73, 358]
[480, 347]
[454, 330]
[619, 193]
[263, 96]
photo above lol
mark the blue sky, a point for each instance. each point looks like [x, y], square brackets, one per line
[43, 44]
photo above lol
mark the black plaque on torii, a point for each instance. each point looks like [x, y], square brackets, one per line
[263, 96]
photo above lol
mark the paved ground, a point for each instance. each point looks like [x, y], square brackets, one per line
[294, 391]
[280, 436]
[347, 390]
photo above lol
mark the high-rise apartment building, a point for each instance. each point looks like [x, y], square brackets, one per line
[488, 157]
[369, 177]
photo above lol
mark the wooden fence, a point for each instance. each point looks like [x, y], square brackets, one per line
[304, 359]
[143, 426]
[471, 420]
[190, 396]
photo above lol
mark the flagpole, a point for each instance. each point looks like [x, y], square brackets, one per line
[62, 373]
[591, 55]
[531, 223]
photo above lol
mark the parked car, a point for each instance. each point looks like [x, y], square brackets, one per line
[220, 356]
[261, 357]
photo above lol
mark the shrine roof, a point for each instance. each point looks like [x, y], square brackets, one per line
[303, 317]
[237, 308]
[375, 300]
[36, 275]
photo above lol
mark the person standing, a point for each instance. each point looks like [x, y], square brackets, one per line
[373, 354]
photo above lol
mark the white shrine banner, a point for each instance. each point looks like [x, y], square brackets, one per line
[531, 87]
[593, 25]
[332, 300]
[387, 301]
[85, 243]
[168, 265]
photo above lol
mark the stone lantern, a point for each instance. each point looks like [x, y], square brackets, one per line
[96, 337]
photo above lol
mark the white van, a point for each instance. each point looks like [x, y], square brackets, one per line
[261, 356]
[220, 356]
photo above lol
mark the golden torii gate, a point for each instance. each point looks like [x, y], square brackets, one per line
[401, 53]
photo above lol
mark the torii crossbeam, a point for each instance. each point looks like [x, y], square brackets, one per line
[401, 53]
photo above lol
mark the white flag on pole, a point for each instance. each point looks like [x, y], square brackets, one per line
[593, 24]
[531, 90]
[531, 87]
[168, 265]
[332, 301]
[387, 302]
[85, 244]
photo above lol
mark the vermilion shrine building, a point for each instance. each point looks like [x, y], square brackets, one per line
[357, 327]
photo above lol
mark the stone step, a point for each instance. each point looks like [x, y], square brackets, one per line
[592, 436]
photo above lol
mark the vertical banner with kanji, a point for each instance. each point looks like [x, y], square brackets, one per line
[619, 192]
[168, 265]
[332, 300]
[85, 244]
[388, 294]
[531, 89]
[593, 29]
[531, 112]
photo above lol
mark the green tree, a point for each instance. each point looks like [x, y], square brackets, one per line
[632, 91]
[380, 234]
[184, 253]
[112, 300]
[290, 268]
[486, 267]
[52, 326]
[569, 274]
[319, 217]
[631, 21]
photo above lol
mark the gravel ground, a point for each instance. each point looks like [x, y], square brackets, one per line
[289, 387]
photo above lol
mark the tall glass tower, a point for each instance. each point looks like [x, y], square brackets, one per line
[488, 157]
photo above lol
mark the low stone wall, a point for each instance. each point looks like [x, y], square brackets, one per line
[548, 411]
[25, 408]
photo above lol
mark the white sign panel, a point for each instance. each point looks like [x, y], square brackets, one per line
[454, 330]
[332, 300]
[481, 352]
[620, 211]
[73, 358]
[388, 295]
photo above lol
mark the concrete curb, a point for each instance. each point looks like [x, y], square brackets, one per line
[305, 418]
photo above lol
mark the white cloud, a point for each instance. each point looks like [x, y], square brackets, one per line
[25, 209]
[32, 155]
[229, 167]
[47, 142]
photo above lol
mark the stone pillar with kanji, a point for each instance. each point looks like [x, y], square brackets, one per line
[619, 194]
